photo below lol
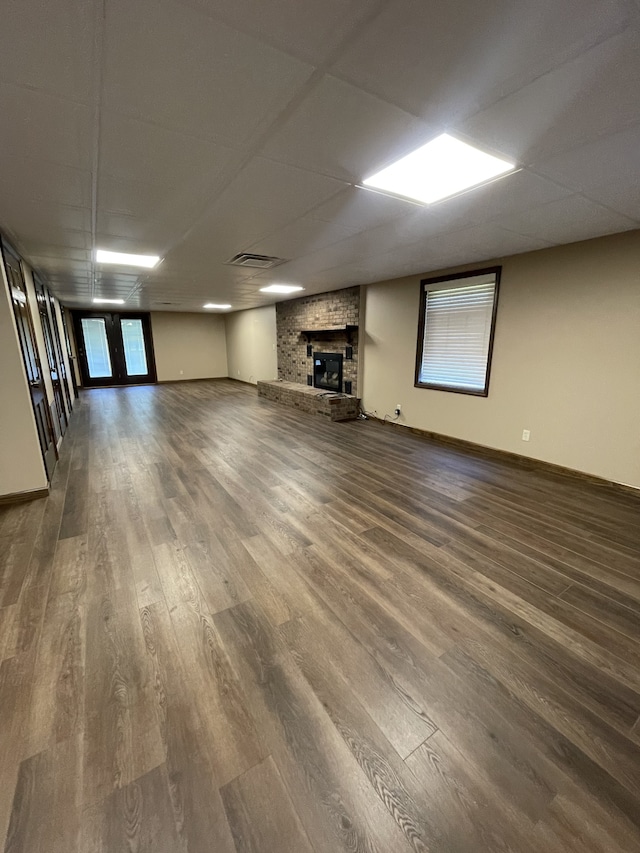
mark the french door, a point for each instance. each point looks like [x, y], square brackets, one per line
[114, 349]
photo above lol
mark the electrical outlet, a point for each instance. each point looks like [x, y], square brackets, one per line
[526, 434]
[182, 373]
[398, 410]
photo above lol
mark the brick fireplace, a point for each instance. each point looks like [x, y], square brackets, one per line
[322, 323]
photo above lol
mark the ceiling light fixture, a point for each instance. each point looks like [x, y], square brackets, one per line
[98, 301]
[219, 307]
[281, 288]
[105, 257]
[441, 168]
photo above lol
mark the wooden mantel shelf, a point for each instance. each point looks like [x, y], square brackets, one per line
[330, 330]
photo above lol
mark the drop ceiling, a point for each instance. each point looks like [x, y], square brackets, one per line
[195, 130]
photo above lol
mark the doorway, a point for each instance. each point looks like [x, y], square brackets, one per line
[31, 359]
[56, 371]
[114, 349]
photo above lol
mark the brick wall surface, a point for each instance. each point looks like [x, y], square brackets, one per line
[320, 311]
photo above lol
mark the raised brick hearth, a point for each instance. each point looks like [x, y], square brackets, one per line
[336, 407]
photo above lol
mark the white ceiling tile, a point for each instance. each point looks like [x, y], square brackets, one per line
[441, 60]
[592, 95]
[569, 220]
[59, 256]
[223, 232]
[480, 241]
[139, 151]
[55, 236]
[133, 198]
[71, 267]
[35, 124]
[476, 244]
[114, 276]
[344, 132]
[28, 214]
[276, 186]
[140, 234]
[359, 209]
[605, 170]
[155, 214]
[116, 225]
[295, 271]
[35, 178]
[132, 243]
[171, 65]
[309, 32]
[49, 45]
[495, 201]
[498, 200]
[301, 237]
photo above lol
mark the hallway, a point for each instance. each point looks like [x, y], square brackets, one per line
[237, 627]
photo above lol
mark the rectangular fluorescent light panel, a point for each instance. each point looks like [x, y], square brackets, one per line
[213, 305]
[281, 288]
[99, 301]
[441, 168]
[105, 257]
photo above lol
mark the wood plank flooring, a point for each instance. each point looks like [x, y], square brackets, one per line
[235, 627]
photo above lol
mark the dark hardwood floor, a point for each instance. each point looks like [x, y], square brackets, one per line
[234, 627]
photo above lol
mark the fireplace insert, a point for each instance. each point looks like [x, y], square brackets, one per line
[327, 370]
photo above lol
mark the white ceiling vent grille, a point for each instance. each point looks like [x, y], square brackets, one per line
[262, 262]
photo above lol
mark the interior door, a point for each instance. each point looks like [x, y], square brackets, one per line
[52, 358]
[57, 342]
[114, 349]
[33, 368]
[67, 341]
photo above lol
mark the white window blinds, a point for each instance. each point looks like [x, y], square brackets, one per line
[457, 333]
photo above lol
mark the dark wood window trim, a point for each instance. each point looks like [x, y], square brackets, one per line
[421, 324]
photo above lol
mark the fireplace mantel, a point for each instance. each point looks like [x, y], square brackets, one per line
[330, 330]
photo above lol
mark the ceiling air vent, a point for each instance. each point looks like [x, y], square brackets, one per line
[262, 262]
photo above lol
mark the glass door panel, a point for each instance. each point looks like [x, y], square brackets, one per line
[96, 346]
[135, 357]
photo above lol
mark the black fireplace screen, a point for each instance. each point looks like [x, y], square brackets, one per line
[327, 370]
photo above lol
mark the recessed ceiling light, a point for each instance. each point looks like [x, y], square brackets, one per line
[213, 305]
[99, 301]
[105, 257]
[441, 168]
[281, 288]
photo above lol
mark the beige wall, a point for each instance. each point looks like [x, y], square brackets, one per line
[189, 346]
[566, 362]
[251, 344]
[21, 465]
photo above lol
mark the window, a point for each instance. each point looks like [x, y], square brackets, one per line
[455, 333]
